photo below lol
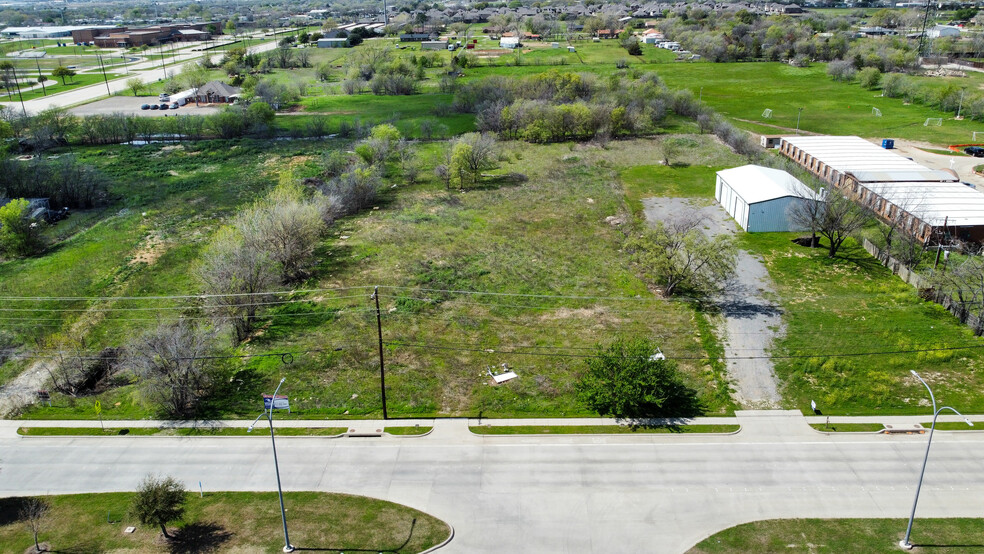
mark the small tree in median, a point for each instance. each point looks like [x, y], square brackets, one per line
[159, 500]
[624, 380]
[34, 513]
[135, 85]
[63, 73]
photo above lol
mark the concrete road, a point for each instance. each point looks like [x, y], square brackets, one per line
[550, 494]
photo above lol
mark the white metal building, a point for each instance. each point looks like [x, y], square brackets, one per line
[759, 198]
[930, 203]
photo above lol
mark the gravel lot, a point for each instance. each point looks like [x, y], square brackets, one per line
[751, 322]
[131, 105]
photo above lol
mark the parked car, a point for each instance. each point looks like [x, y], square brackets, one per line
[174, 105]
[145, 107]
[164, 106]
[975, 151]
[155, 107]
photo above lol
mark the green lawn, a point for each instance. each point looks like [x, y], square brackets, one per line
[82, 80]
[597, 429]
[854, 331]
[845, 535]
[228, 521]
[406, 112]
[407, 431]
[848, 427]
[180, 431]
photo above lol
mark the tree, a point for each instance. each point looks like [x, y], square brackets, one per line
[283, 56]
[63, 73]
[471, 154]
[869, 77]
[159, 500]
[35, 513]
[176, 367]
[236, 276]
[194, 75]
[676, 256]
[626, 380]
[20, 235]
[834, 218]
[135, 85]
[284, 225]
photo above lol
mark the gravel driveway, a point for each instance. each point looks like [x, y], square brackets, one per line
[751, 321]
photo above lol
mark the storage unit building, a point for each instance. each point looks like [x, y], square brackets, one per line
[759, 198]
[434, 45]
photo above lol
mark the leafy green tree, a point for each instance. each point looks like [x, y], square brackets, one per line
[63, 73]
[135, 85]
[869, 77]
[19, 234]
[159, 500]
[626, 380]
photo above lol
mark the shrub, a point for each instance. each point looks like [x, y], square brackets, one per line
[624, 380]
[20, 235]
[841, 70]
[869, 78]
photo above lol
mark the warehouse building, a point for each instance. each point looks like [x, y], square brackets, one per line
[760, 198]
[928, 204]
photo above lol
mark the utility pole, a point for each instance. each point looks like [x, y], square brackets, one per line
[40, 77]
[16, 84]
[382, 371]
[103, 67]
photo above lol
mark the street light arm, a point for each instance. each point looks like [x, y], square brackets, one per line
[251, 425]
[931, 396]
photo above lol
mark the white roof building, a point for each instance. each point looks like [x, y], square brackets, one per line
[759, 198]
[931, 203]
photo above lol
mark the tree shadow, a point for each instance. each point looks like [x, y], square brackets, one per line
[857, 255]
[202, 536]
[413, 525]
[10, 509]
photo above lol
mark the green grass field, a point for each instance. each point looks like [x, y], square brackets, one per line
[228, 521]
[179, 431]
[844, 535]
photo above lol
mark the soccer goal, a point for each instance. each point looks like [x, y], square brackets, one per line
[767, 113]
[935, 121]
[975, 135]
[876, 112]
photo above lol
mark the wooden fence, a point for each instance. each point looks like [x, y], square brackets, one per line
[926, 290]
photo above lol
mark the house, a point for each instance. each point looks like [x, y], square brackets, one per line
[760, 198]
[217, 92]
[332, 42]
[604, 33]
[509, 42]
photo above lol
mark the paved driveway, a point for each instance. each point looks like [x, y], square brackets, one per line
[751, 321]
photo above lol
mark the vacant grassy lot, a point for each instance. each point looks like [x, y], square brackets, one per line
[845, 535]
[542, 245]
[228, 521]
[854, 331]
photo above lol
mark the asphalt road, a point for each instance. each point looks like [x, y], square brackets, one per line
[550, 494]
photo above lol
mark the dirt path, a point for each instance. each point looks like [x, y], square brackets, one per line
[22, 389]
[750, 321]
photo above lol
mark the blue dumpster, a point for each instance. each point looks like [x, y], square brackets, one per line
[888, 144]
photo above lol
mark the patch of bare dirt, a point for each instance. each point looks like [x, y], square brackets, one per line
[150, 251]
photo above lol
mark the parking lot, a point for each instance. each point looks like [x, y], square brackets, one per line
[131, 105]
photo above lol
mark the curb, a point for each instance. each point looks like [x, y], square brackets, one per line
[129, 436]
[443, 544]
[487, 435]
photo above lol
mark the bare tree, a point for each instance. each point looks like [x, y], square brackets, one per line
[677, 256]
[35, 514]
[195, 76]
[286, 226]
[175, 364]
[236, 276]
[835, 218]
[964, 282]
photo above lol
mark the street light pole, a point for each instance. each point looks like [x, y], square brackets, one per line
[269, 413]
[904, 543]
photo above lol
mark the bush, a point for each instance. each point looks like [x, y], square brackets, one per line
[841, 70]
[19, 234]
[893, 85]
[623, 380]
[869, 78]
